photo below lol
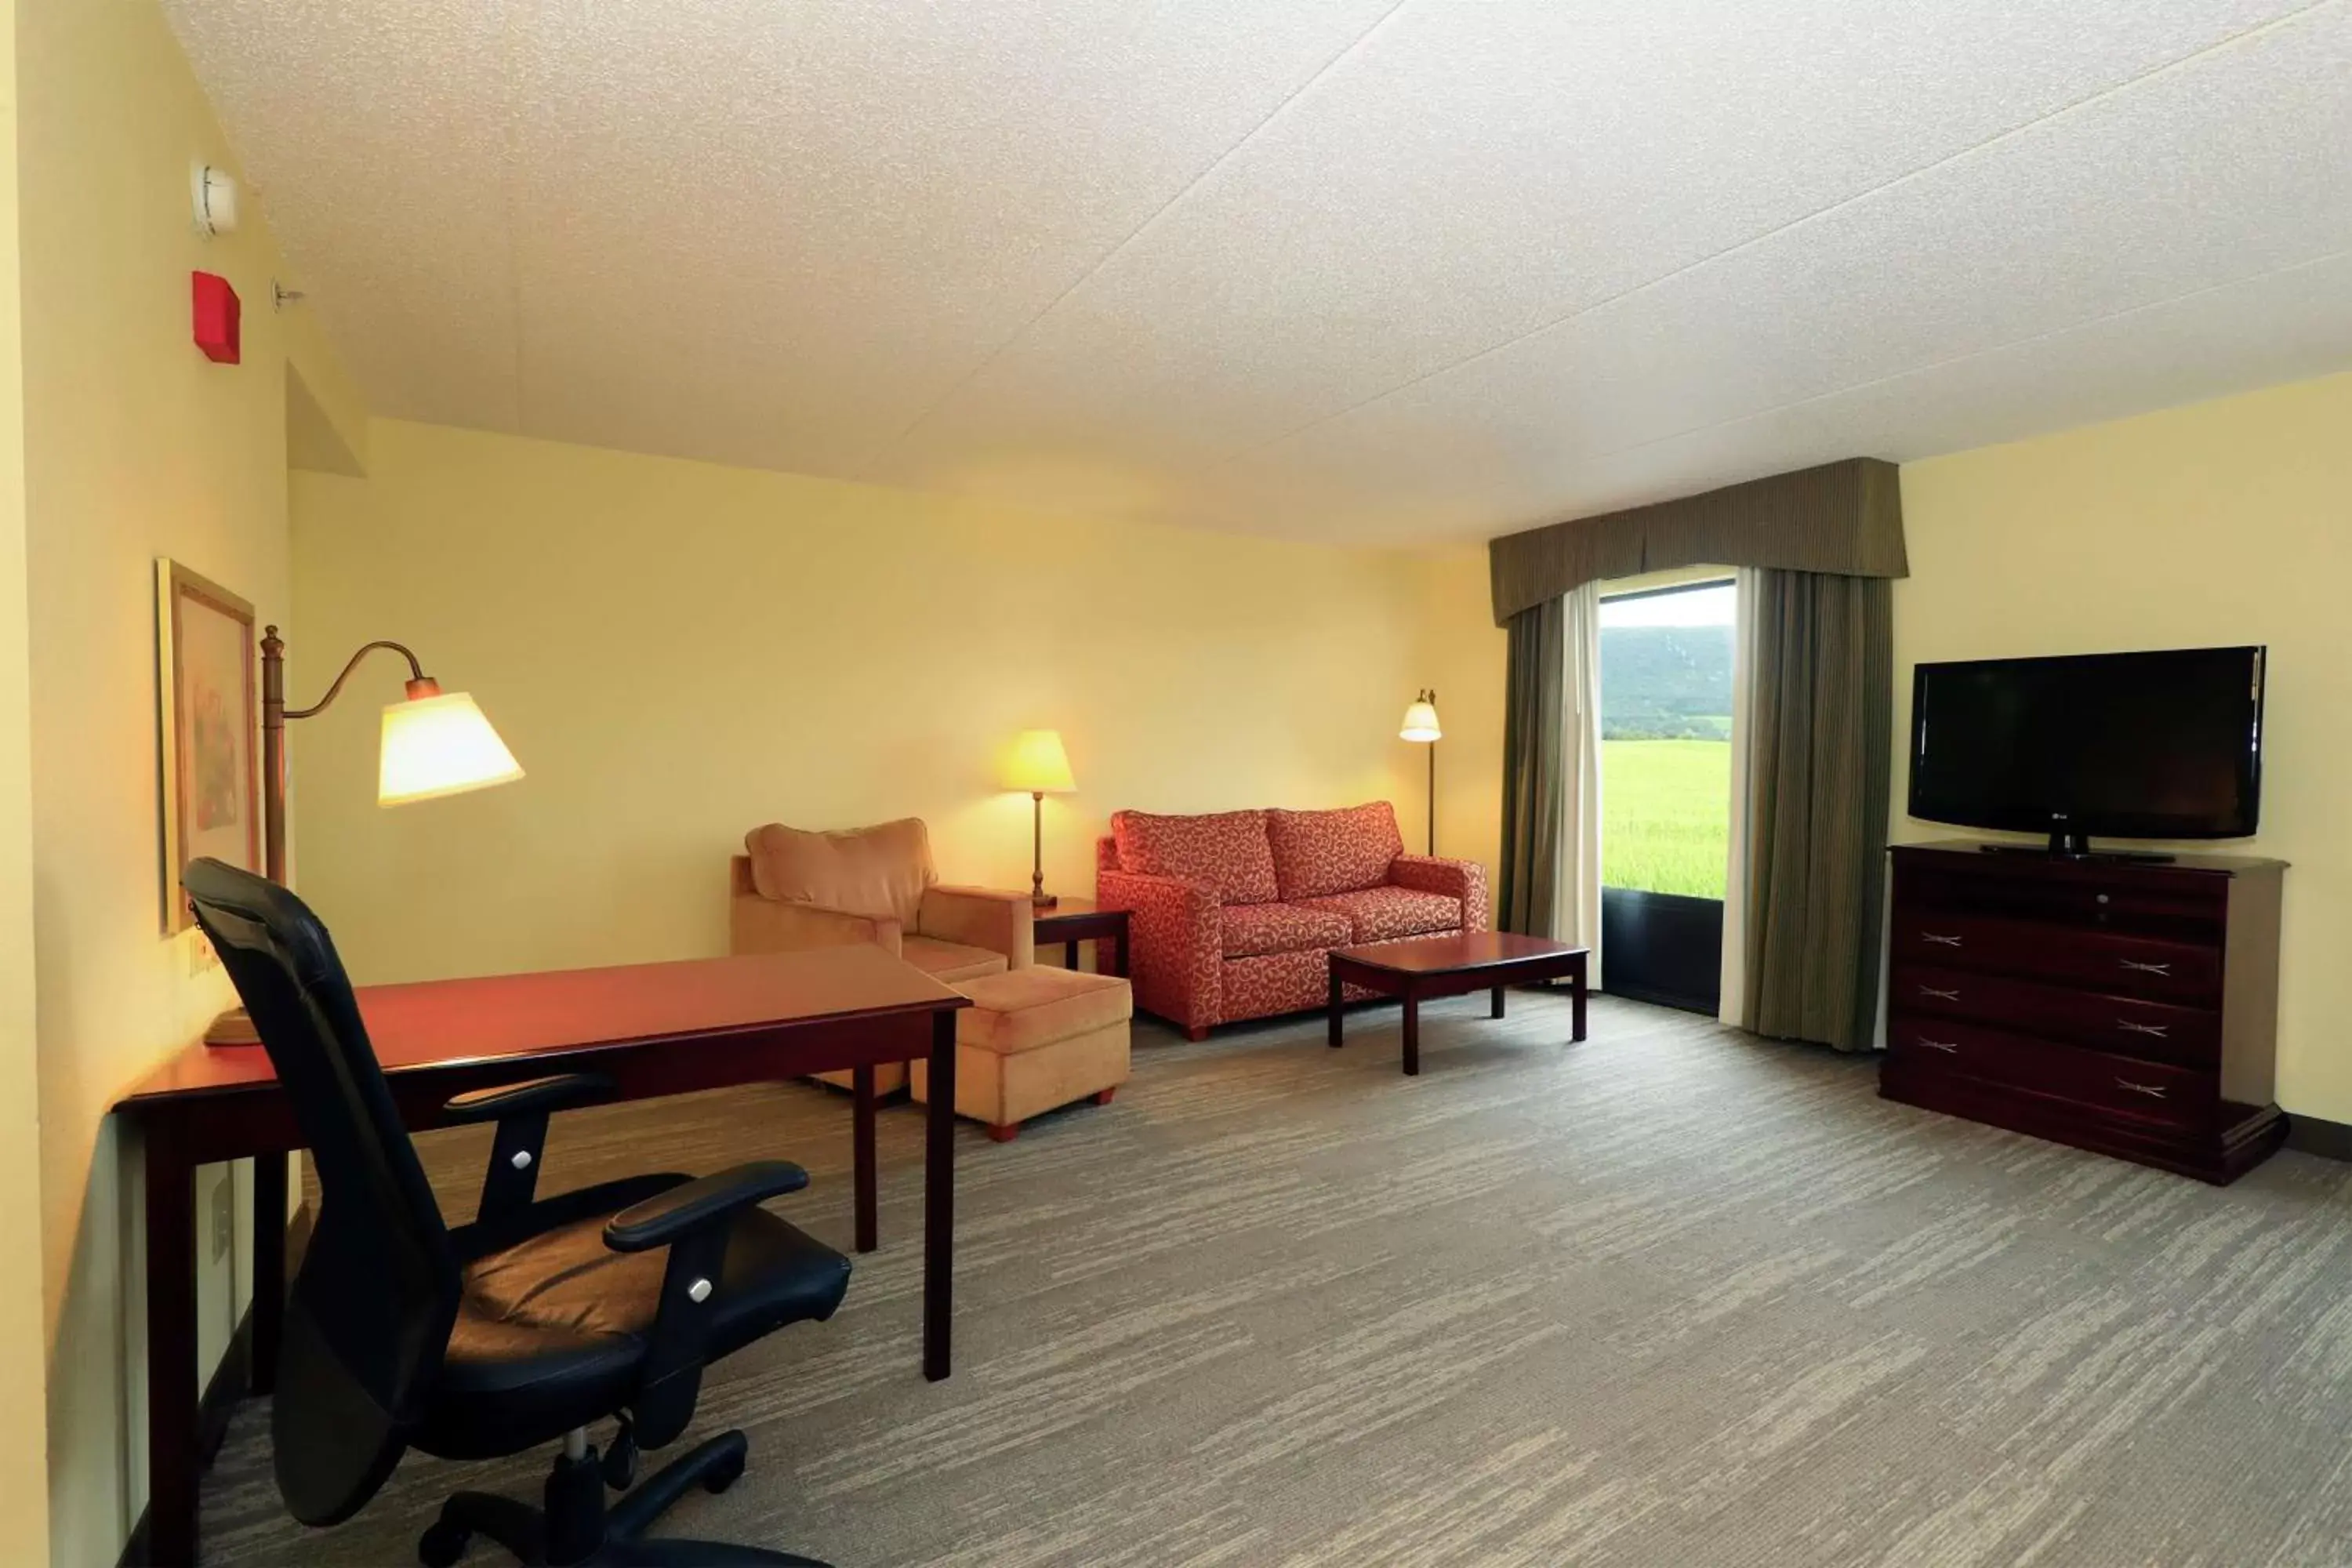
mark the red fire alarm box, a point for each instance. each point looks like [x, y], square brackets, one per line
[216, 318]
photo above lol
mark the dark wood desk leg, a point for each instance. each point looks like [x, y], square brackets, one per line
[861, 1080]
[1496, 1011]
[1577, 1002]
[1118, 946]
[1335, 1025]
[1411, 1035]
[939, 1199]
[170, 1348]
[269, 1267]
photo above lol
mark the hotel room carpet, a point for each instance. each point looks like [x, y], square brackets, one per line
[1674, 1296]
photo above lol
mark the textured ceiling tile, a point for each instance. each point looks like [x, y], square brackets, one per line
[1345, 270]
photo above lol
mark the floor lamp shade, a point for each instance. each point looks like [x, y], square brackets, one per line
[1420, 724]
[439, 746]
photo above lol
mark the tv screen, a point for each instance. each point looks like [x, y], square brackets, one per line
[2135, 745]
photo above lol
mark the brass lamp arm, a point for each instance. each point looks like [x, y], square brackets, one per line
[419, 683]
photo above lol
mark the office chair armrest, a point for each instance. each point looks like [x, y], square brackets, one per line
[683, 1209]
[532, 1096]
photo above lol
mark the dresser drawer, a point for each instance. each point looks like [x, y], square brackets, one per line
[2117, 964]
[2147, 1091]
[2127, 1025]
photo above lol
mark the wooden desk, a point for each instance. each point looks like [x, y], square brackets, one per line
[655, 1029]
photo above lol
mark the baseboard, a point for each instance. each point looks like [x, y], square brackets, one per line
[2311, 1135]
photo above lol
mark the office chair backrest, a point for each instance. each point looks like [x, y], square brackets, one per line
[369, 1317]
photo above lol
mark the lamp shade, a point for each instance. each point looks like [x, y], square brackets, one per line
[439, 746]
[1037, 765]
[1421, 721]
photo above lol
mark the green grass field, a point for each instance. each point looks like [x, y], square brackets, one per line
[1664, 809]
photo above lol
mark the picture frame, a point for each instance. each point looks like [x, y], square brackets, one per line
[208, 728]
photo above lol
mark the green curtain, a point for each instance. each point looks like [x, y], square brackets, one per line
[1532, 757]
[1820, 756]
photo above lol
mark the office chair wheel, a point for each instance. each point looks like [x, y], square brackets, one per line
[723, 1476]
[442, 1544]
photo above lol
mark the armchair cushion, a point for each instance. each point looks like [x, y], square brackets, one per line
[878, 872]
[759, 924]
[1227, 849]
[1383, 914]
[1251, 930]
[1322, 852]
[950, 963]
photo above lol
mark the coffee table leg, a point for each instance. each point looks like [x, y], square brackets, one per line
[1577, 1004]
[1411, 1035]
[1497, 1010]
[1335, 1010]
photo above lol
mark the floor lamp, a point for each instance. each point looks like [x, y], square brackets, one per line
[434, 743]
[1420, 724]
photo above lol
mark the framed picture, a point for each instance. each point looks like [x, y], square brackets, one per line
[210, 724]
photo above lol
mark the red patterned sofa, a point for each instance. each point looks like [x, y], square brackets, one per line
[1233, 914]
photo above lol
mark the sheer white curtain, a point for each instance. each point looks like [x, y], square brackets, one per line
[1733, 1008]
[1576, 905]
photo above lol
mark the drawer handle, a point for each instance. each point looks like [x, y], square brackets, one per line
[1946, 996]
[2160, 1031]
[2144, 968]
[1944, 1045]
[1940, 939]
[2153, 1091]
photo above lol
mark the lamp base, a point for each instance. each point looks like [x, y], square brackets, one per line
[233, 1027]
[1043, 900]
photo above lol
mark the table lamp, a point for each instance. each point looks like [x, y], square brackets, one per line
[433, 742]
[1038, 764]
[1420, 724]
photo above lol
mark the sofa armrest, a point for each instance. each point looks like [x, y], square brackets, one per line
[1176, 947]
[982, 917]
[758, 924]
[1463, 879]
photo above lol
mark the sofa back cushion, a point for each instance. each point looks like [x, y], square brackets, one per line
[1318, 853]
[1227, 849]
[878, 872]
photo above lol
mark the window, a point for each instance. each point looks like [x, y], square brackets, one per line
[1665, 739]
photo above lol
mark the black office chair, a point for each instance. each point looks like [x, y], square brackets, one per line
[542, 1316]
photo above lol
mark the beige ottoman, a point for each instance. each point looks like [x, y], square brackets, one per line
[1034, 1039]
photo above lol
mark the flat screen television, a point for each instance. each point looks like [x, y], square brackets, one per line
[2130, 745]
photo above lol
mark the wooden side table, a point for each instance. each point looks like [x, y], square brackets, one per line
[1074, 920]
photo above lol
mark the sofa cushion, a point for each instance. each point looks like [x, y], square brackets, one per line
[1250, 929]
[1227, 849]
[1319, 852]
[1022, 1009]
[950, 963]
[878, 872]
[1382, 914]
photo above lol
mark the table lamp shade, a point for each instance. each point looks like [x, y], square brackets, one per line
[439, 746]
[1421, 721]
[1038, 764]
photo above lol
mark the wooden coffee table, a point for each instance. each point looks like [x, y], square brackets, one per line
[1414, 972]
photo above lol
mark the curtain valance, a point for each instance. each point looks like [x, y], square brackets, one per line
[1843, 518]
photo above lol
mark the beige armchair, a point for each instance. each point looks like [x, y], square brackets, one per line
[797, 890]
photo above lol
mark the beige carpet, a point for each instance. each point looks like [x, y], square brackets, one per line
[1669, 1297]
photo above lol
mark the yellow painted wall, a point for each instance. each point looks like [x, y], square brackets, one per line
[135, 447]
[679, 652]
[24, 1435]
[2219, 523]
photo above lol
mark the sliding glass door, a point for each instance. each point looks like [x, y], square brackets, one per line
[1665, 790]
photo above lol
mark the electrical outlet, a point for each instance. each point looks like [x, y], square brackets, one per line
[201, 956]
[223, 1214]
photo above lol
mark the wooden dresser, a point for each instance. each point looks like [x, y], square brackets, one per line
[2130, 1008]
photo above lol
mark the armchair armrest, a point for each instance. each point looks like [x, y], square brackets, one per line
[558, 1091]
[1463, 879]
[1176, 943]
[982, 917]
[759, 924]
[661, 1219]
[691, 1220]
